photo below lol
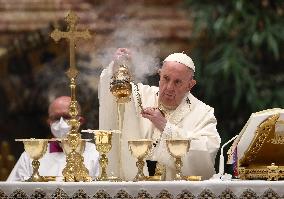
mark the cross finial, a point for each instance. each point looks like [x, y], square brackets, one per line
[72, 35]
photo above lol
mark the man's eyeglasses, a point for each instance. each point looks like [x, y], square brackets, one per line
[57, 117]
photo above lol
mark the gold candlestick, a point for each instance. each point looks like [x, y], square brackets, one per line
[75, 169]
[35, 148]
[178, 148]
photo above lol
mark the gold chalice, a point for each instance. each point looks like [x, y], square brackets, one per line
[103, 145]
[35, 148]
[178, 148]
[139, 149]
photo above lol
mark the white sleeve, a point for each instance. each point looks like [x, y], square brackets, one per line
[91, 159]
[22, 170]
[108, 106]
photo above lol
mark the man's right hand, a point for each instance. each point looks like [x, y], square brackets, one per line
[121, 57]
[121, 52]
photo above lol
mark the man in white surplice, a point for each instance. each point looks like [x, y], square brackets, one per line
[170, 111]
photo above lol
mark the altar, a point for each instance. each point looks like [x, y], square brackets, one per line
[143, 189]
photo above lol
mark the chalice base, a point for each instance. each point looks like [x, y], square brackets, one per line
[140, 175]
[36, 178]
[179, 177]
[178, 164]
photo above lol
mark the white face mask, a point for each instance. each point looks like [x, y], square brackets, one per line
[60, 128]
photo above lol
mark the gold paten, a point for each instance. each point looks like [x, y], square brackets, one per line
[140, 149]
[178, 148]
[35, 148]
[75, 169]
[264, 157]
[192, 178]
[154, 178]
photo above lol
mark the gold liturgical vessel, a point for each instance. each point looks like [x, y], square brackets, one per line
[140, 149]
[178, 148]
[103, 145]
[75, 169]
[67, 148]
[120, 85]
[35, 148]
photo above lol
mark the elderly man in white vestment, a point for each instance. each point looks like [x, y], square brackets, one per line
[54, 161]
[170, 111]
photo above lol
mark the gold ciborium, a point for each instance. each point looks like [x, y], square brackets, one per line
[35, 148]
[120, 85]
[178, 148]
[139, 149]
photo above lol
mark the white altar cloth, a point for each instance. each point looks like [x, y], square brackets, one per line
[163, 189]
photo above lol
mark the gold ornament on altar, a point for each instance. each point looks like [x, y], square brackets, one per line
[263, 158]
[67, 147]
[103, 145]
[35, 148]
[279, 133]
[178, 148]
[75, 169]
[120, 85]
[259, 149]
[140, 149]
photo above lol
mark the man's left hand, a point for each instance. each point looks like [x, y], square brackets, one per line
[155, 116]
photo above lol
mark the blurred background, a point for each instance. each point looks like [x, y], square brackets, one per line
[236, 45]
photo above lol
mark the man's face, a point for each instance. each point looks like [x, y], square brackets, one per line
[60, 108]
[176, 80]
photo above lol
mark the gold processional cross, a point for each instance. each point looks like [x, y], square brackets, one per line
[75, 169]
[72, 35]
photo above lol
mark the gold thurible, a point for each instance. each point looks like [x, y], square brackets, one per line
[120, 85]
[75, 169]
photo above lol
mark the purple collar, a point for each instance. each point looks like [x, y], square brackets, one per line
[54, 147]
